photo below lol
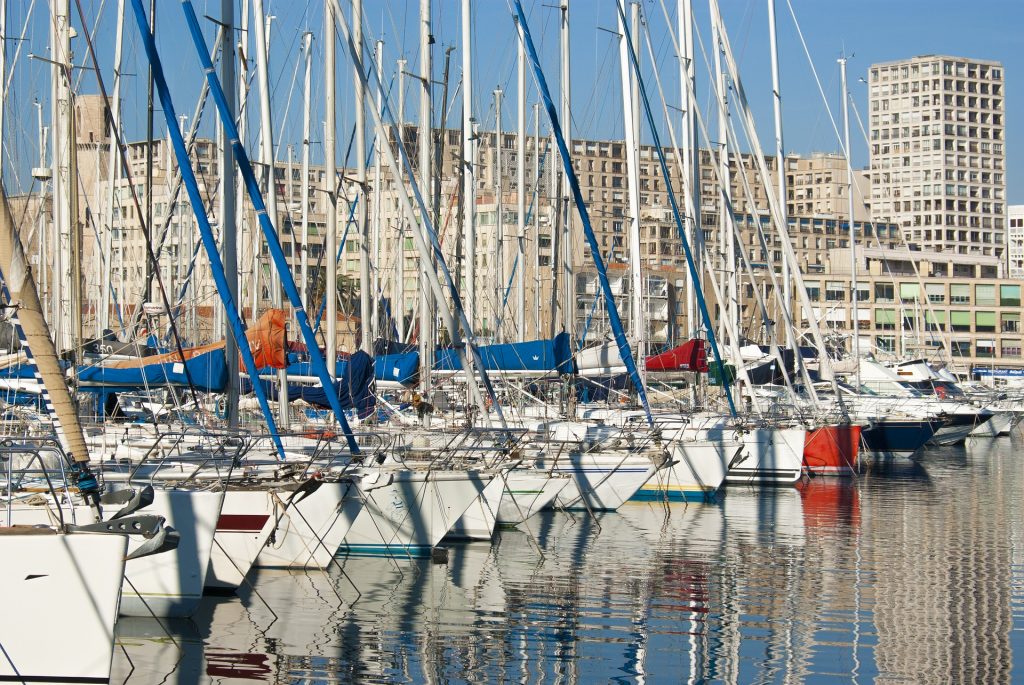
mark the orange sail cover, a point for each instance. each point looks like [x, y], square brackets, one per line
[267, 340]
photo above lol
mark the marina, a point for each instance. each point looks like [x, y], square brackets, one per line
[626, 392]
[891, 576]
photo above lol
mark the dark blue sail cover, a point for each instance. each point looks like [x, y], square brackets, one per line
[353, 389]
[402, 368]
[208, 371]
[540, 356]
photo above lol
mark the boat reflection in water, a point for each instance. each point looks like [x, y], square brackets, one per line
[893, 575]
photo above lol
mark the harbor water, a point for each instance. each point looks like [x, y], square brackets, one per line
[912, 572]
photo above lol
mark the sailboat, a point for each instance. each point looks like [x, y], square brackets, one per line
[56, 568]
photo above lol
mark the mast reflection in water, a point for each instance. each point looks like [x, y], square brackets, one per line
[912, 572]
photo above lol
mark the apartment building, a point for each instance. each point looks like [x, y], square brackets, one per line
[816, 187]
[937, 151]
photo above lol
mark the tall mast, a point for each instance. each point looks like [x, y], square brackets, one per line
[365, 309]
[468, 163]
[633, 182]
[398, 298]
[307, 49]
[855, 344]
[267, 157]
[725, 233]
[60, 113]
[426, 137]
[113, 172]
[780, 156]
[330, 186]
[499, 227]
[520, 188]
[149, 159]
[3, 77]
[378, 187]
[568, 291]
[249, 237]
[691, 155]
[536, 220]
[228, 216]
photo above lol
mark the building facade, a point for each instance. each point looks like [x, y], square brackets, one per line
[937, 152]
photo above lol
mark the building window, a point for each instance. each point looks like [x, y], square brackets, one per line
[985, 294]
[959, 293]
[960, 321]
[985, 322]
[1009, 295]
[885, 319]
[885, 292]
[935, 321]
[961, 348]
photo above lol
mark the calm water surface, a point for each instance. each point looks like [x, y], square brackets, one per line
[912, 573]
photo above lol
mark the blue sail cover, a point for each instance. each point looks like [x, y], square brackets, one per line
[352, 389]
[538, 356]
[208, 371]
[402, 368]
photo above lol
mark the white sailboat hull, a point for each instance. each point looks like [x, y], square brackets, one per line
[697, 472]
[479, 520]
[1003, 422]
[526, 493]
[60, 596]
[307, 532]
[171, 583]
[244, 526]
[410, 515]
[771, 456]
[601, 481]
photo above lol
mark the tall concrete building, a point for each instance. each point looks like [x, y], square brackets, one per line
[937, 152]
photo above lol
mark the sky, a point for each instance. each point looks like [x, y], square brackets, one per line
[866, 31]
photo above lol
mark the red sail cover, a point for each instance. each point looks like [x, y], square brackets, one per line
[267, 340]
[690, 356]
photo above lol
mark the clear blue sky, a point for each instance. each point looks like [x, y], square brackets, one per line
[868, 30]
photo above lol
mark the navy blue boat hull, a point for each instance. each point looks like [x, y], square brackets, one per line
[886, 437]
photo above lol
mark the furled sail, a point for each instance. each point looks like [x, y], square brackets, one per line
[36, 339]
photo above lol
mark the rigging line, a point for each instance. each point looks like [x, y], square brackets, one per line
[287, 108]
[95, 27]
[17, 51]
[108, 116]
[333, 198]
[401, 167]
[839, 138]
